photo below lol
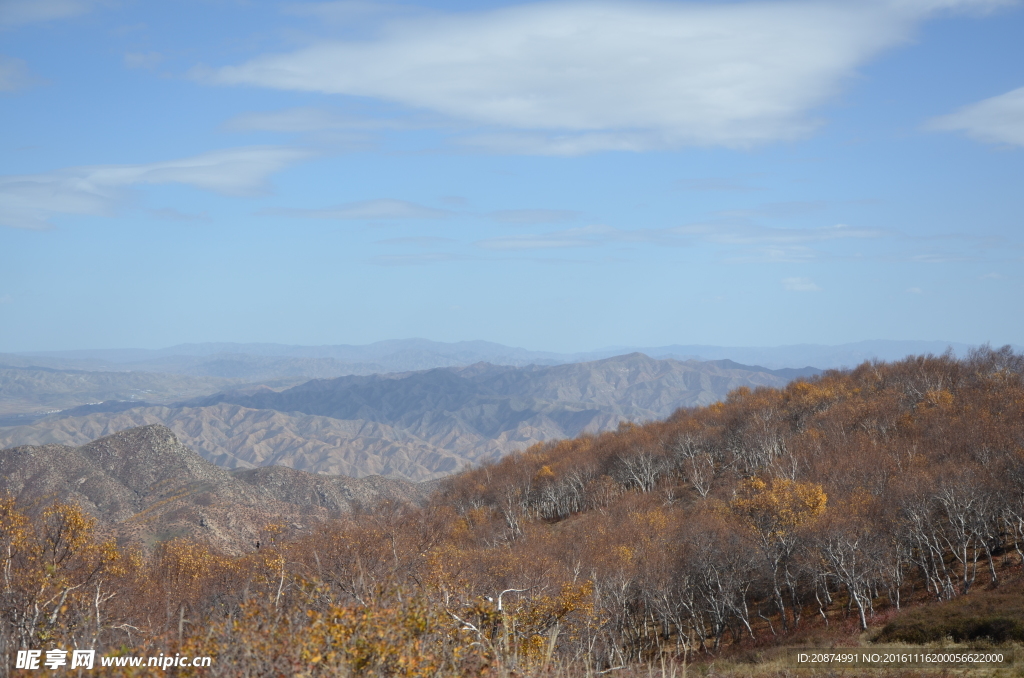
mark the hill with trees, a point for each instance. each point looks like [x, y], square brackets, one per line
[836, 506]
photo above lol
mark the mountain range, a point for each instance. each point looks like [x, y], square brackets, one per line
[413, 409]
[415, 425]
[256, 362]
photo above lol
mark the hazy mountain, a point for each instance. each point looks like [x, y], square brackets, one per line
[824, 357]
[416, 425]
[31, 390]
[383, 356]
[145, 485]
[232, 436]
[260, 362]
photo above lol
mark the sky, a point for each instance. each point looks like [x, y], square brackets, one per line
[559, 176]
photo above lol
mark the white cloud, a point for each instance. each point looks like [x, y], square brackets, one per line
[587, 236]
[366, 209]
[576, 77]
[309, 119]
[14, 74]
[28, 201]
[142, 59]
[20, 12]
[561, 144]
[999, 120]
[915, 290]
[800, 285]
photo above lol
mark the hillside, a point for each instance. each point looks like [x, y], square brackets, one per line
[417, 425]
[822, 514]
[232, 436]
[146, 486]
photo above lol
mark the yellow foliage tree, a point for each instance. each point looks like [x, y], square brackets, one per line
[773, 511]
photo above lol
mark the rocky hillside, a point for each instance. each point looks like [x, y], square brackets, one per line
[146, 486]
[233, 436]
[416, 425]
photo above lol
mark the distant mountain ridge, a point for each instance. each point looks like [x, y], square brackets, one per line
[416, 425]
[27, 390]
[255, 361]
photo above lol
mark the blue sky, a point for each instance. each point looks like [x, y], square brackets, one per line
[557, 175]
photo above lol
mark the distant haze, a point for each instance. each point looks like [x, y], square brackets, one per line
[263, 360]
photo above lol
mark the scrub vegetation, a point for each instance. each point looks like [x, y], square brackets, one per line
[883, 503]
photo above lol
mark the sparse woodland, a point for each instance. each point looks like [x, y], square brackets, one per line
[828, 504]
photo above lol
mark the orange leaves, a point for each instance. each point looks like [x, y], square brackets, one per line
[940, 398]
[403, 638]
[543, 474]
[777, 507]
[817, 396]
[56, 573]
[66, 529]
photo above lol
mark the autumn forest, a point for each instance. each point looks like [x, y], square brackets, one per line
[778, 516]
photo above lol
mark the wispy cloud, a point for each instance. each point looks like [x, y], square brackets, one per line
[171, 214]
[941, 257]
[999, 120]
[749, 241]
[777, 210]
[345, 12]
[587, 236]
[539, 242]
[741, 242]
[567, 78]
[29, 201]
[20, 12]
[534, 216]
[14, 74]
[142, 59]
[561, 144]
[418, 241]
[385, 208]
[800, 285]
[417, 259]
[706, 184]
[778, 244]
[390, 208]
[310, 119]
